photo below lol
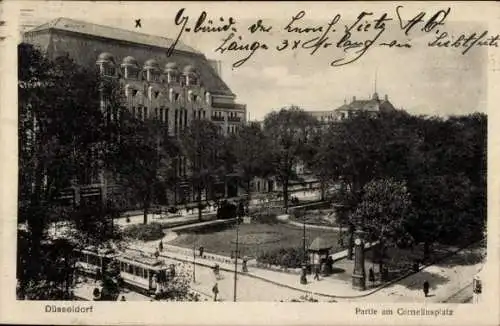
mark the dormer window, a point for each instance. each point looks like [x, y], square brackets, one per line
[153, 76]
[182, 80]
[192, 80]
[190, 75]
[109, 70]
[131, 73]
[130, 68]
[106, 64]
[152, 70]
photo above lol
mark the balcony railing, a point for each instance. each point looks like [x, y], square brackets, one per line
[217, 118]
[234, 119]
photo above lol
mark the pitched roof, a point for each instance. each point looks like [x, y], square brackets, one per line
[77, 26]
[373, 104]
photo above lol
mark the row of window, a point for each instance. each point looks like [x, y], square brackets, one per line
[134, 270]
[172, 95]
[149, 75]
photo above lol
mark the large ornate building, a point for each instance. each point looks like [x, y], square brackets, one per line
[175, 88]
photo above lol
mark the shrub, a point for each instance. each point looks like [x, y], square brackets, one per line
[265, 218]
[172, 210]
[144, 232]
[284, 257]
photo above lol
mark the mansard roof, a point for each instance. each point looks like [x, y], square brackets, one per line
[77, 26]
[84, 42]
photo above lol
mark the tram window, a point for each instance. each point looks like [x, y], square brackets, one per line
[130, 269]
[145, 274]
[94, 260]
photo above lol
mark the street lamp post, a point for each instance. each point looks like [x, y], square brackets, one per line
[236, 258]
[194, 262]
[304, 237]
[359, 274]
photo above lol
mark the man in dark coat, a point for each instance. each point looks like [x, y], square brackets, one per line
[426, 288]
[215, 291]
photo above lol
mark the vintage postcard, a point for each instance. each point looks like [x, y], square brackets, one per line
[249, 163]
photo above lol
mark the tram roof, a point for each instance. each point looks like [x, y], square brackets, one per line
[143, 261]
[98, 251]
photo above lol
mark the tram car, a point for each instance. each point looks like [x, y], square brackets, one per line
[92, 261]
[144, 274]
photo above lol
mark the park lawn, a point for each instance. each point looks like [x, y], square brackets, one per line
[254, 238]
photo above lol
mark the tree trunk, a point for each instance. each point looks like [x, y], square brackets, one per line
[380, 253]
[249, 197]
[322, 189]
[200, 217]
[146, 210]
[426, 250]
[285, 194]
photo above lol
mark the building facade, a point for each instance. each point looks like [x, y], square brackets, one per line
[175, 87]
[373, 105]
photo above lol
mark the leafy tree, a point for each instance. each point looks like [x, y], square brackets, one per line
[250, 152]
[383, 213]
[448, 182]
[60, 122]
[143, 157]
[289, 132]
[111, 281]
[203, 147]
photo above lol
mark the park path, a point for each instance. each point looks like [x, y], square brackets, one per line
[446, 278]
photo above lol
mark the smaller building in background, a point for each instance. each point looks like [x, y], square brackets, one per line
[374, 105]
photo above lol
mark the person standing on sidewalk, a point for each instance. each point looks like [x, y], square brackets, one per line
[160, 246]
[215, 291]
[426, 288]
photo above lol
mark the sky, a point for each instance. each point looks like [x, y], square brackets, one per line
[421, 80]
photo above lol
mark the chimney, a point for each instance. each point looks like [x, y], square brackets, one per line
[386, 97]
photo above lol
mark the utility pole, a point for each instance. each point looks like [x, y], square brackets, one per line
[236, 258]
[304, 237]
[194, 262]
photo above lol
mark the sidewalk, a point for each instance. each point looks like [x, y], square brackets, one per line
[152, 218]
[336, 286]
[445, 280]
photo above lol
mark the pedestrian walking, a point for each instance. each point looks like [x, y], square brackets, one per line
[426, 288]
[216, 271]
[316, 272]
[123, 298]
[157, 253]
[160, 246]
[371, 276]
[215, 291]
[98, 275]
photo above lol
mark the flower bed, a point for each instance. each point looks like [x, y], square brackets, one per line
[316, 217]
[144, 232]
[284, 257]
